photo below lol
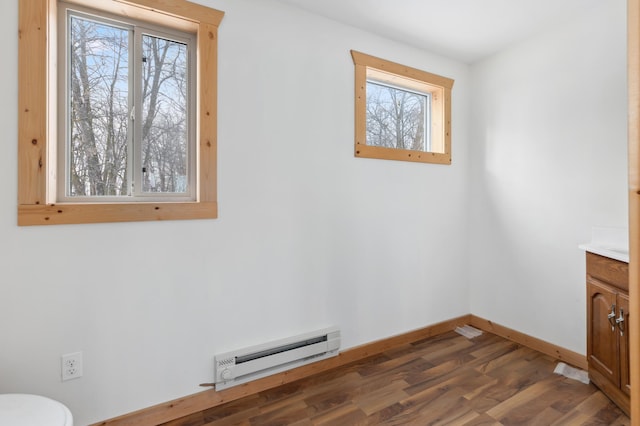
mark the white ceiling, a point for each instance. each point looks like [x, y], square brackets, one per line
[466, 30]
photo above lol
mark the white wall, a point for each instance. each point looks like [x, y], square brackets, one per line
[308, 235]
[549, 162]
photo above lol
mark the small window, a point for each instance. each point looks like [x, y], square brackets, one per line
[401, 113]
[117, 111]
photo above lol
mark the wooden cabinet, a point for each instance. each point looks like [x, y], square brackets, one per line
[608, 327]
[625, 378]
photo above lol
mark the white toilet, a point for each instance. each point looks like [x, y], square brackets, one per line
[32, 410]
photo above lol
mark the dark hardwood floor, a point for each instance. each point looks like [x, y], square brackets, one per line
[444, 380]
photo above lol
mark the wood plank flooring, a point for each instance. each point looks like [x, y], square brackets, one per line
[444, 380]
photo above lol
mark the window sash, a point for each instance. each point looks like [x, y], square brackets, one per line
[425, 99]
[136, 30]
[189, 125]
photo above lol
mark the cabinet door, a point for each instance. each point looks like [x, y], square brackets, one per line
[623, 333]
[602, 342]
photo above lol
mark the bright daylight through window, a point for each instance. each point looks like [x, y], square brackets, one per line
[401, 113]
[397, 117]
[117, 111]
[127, 99]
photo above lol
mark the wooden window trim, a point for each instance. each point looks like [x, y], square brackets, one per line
[440, 89]
[37, 99]
[633, 91]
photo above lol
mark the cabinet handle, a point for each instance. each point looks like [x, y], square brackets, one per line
[612, 317]
[620, 322]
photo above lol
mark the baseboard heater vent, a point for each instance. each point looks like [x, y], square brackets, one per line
[244, 365]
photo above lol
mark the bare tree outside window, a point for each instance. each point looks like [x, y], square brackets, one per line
[101, 137]
[396, 118]
[99, 109]
[164, 115]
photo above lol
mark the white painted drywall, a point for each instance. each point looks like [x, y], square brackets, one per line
[548, 146]
[308, 235]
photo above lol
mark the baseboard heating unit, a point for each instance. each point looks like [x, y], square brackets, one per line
[244, 365]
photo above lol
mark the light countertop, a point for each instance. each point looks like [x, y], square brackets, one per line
[609, 242]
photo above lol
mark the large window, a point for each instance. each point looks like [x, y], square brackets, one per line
[126, 93]
[118, 118]
[401, 113]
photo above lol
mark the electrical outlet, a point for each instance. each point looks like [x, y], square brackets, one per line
[71, 366]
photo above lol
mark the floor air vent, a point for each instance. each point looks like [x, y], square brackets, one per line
[244, 365]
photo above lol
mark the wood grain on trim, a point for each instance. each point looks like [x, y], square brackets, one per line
[440, 114]
[633, 87]
[37, 94]
[559, 353]
[201, 401]
[67, 213]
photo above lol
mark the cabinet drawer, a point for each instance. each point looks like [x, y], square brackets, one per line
[608, 270]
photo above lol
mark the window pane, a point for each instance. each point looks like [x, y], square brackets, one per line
[396, 118]
[164, 115]
[99, 108]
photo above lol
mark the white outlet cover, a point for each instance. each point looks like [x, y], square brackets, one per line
[71, 366]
